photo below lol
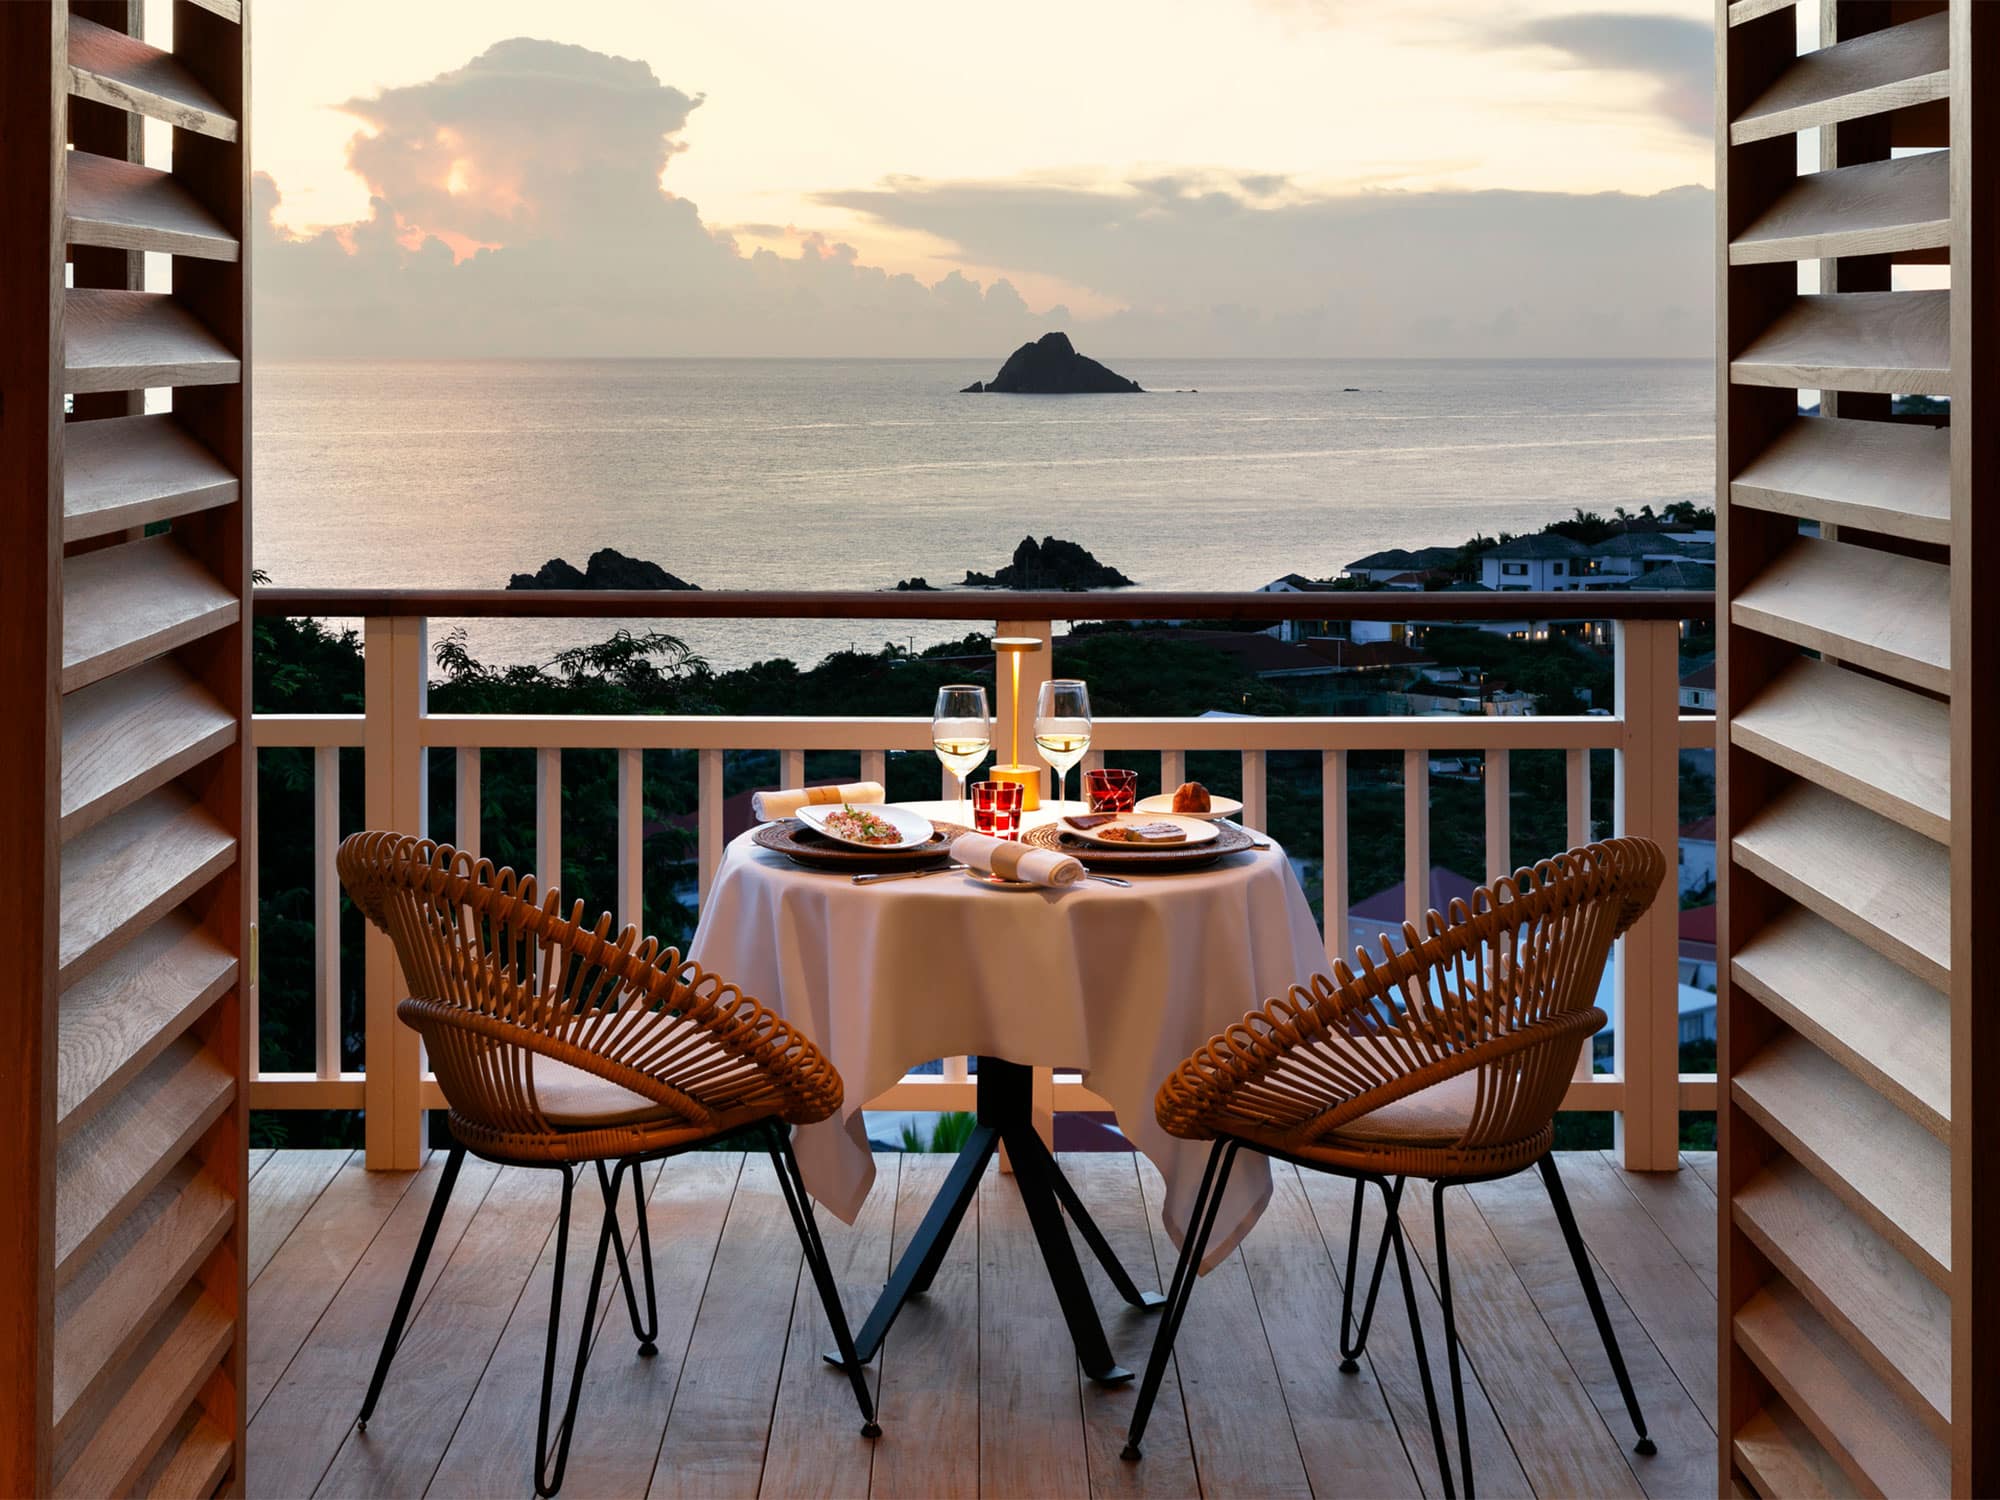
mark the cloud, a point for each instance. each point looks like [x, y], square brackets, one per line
[1676, 54]
[521, 205]
[1377, 273]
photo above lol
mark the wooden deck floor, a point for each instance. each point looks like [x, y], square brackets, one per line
[977, 1391]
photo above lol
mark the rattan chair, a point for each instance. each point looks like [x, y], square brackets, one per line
[558, 1044]
[1444, 1060]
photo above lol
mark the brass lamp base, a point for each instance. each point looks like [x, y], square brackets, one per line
[1030, 778]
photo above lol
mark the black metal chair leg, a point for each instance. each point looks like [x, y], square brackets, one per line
[547, 1483]
[411, 1281]
[1559, 1199]
[1350, 1354]
[796, 1200]
[648, 1330]
[1201, 1222]
[1451, 1339]
[1066, 1194]
[1417, 1338]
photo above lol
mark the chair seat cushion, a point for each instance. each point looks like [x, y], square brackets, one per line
[573, 1099]
[1435, 1116]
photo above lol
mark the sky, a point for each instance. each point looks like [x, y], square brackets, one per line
[1172, 177]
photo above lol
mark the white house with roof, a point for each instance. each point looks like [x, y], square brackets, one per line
[1384, 566]
[1545, 562]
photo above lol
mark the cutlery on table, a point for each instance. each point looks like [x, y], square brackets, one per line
[1108, 879]
[878, 876]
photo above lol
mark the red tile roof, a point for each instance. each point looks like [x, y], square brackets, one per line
[1700, 828]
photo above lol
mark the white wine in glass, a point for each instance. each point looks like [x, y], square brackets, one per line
[1062, 727]
[961, 730]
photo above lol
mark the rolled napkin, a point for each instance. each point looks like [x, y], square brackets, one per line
[768, 807]
[1012, 861]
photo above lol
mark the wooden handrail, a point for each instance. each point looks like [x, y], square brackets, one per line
[978, 604]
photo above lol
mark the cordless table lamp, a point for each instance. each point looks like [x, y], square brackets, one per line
[1014, 647]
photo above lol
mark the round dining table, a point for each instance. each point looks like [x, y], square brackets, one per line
[1118, 982]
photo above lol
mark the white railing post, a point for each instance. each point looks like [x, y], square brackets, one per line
[1333, 852]
[1416, 836]
[631, 838]
[708, 820]
[467, 833]
[1499, 778]
[395, 672]
[875, 766]
[326, 912]
[791, 768]
[1576, 773]
[1648, 806]
[1173, 771]
[548, 819]
[1254, 781]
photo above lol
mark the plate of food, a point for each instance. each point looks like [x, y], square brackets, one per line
[1191, 800]
[1138, 830]
[874, 826]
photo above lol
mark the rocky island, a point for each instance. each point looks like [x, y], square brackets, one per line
[608, 568]
[1050, 366]
[1051, 563]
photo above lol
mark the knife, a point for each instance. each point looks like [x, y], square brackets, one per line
[878, 876]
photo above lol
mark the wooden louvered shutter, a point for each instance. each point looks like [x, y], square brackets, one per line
[1860, 1344]
[124, 704]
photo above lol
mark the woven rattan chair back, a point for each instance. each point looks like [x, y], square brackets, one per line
[1501, 987]
[500, 978]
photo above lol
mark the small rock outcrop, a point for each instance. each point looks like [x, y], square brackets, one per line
[1050, 564]
[608, 568]
[914, 586]
[1050, 366]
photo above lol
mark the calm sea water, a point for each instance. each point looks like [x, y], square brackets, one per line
[855, 473]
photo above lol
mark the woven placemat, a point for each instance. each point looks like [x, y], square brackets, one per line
[1160, 859]
[791, 838]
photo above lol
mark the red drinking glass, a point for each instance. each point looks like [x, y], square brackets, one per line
[1111, 789]
[996, 808]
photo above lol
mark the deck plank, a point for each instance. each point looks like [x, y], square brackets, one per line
[296, 1180]
[1648, 1272]
[1342, 1423]
[1682, 1207]
[1703, 1163]
[622, 1412]
[1391, 1354]
[306, 1273]
[735, 1398]
[816, 1447]
[721, 1417]
[308, 1414]
[929, 1384]
[1108, 1183]
[1027, 1365]
[1229, 1377]
[451, 1337]
[1516, 1210]
[1550, 1418]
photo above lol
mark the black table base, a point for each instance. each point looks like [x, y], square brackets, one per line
[1006, 1118]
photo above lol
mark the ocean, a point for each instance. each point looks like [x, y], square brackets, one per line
[856, 473]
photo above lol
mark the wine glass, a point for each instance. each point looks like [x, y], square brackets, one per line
[961, 729]
[1062, 726]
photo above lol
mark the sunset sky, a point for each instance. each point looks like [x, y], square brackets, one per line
[1210, 176]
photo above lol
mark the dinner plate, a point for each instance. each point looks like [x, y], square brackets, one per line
[913, 828]
[1198, 830]
[1218, 807]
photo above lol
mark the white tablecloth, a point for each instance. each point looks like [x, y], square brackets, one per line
[1121, 984]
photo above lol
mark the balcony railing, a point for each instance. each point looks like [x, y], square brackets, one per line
[1644, 734]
